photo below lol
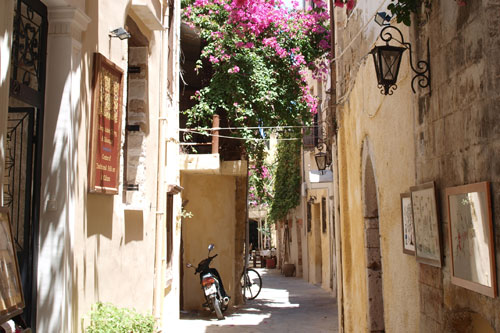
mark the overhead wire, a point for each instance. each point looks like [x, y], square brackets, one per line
[235, 137]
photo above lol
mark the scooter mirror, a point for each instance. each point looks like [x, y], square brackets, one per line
[189, 265]
[211, 247]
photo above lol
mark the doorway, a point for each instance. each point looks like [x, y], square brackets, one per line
[375, 302]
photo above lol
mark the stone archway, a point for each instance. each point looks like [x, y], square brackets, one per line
[375, 302]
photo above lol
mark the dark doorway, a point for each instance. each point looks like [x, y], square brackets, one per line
[373, 254]
[253, 232]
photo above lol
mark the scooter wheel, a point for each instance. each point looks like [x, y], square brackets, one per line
[216, 306]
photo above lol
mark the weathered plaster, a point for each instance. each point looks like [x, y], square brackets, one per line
[388, 122]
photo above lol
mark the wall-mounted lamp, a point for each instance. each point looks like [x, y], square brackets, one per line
[119, 33]
[382, 18]
[387, 59]
[321, 158]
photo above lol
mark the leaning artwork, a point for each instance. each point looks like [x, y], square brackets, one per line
[408, 229]
[425, 219]
[471, 238]
[11, 295]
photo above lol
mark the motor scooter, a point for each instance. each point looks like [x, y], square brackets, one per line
[211, 283]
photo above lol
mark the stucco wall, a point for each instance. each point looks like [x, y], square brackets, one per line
[92, 246]
[212, 201]
[387, 123]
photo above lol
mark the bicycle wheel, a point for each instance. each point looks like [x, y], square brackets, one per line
[251, 284]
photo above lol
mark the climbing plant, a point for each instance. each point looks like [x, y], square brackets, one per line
[260, 180]
[287, 179]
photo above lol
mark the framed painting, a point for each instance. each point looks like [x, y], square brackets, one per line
[407, 228]
[471, 238]
[105, 130]
[426, 224]
[11, 293]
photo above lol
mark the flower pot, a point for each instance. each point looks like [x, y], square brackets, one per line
[271, 263]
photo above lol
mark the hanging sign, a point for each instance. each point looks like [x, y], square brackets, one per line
[105, 135]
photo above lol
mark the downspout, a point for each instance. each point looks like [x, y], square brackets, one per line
[337, 232]
[160, 211]
[247, 227]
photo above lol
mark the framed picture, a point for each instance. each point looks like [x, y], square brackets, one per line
[471, 238]
[408, 230]
[105, 129]
[11, 293]
[425, 220]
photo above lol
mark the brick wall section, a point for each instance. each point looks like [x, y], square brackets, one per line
[458, 140]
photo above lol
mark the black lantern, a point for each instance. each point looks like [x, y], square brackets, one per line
[321, 158]
[387, 59]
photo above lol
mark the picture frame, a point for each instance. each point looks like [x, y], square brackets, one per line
[11, 292]
[407, 227]
[426, 224]
[105, 128]
[471, 240]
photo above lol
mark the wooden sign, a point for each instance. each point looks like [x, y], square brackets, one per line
[105, 135]
[11, 293]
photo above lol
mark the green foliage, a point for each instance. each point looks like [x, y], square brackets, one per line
[107, 318]
[260, 179]
[287, 179]
[258, 78]
[402, 9]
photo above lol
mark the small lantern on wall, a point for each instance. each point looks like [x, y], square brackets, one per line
[321, 158]
[387, 59]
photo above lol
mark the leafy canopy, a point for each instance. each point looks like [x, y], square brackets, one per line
[259, 53]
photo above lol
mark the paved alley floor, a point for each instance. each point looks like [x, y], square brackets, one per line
[285, 304]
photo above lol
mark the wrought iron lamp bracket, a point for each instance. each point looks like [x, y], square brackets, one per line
[422, 69]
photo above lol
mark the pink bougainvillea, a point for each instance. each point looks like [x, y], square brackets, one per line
[260, 53]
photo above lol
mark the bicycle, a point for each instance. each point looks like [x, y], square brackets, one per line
[251, 283]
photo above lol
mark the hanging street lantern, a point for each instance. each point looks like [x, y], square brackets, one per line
[387, 59]
[321, 158]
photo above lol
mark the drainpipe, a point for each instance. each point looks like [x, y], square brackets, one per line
[160, 213]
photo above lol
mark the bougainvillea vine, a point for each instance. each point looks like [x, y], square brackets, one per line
[261, 55]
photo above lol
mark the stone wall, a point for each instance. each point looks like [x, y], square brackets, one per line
[137, 127]
[457, 141]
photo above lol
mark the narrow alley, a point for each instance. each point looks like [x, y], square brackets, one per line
[153, 151]
[285, 304]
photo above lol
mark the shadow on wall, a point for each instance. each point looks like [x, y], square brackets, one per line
[100, 215]
[134, 225]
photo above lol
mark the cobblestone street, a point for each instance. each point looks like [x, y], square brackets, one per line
[285, 304]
